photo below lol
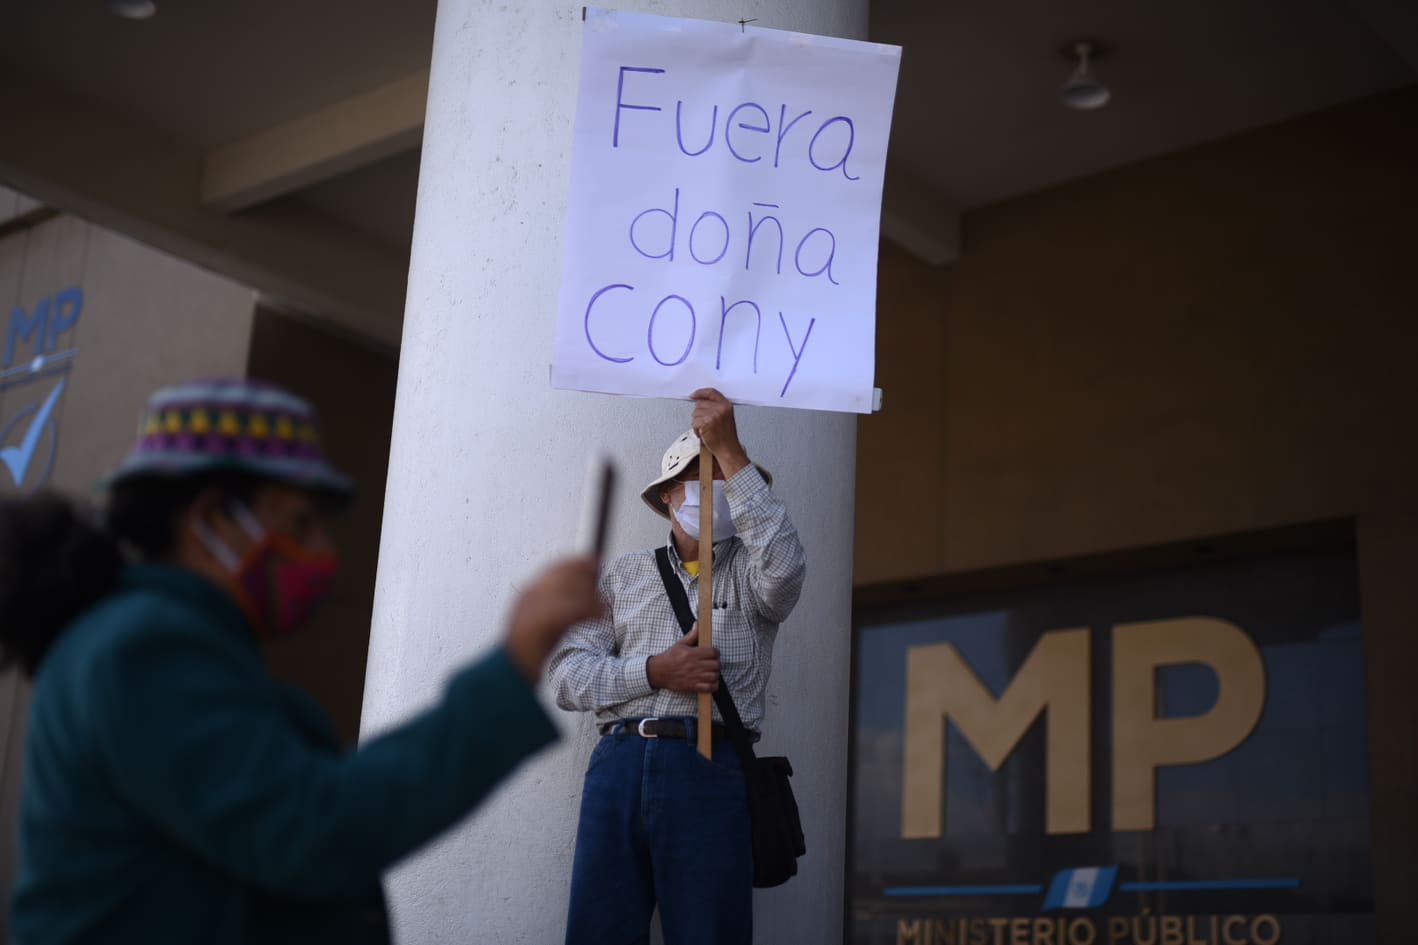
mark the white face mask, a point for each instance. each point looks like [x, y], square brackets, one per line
[688, 513]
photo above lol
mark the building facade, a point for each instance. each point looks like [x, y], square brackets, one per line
[1111, 603]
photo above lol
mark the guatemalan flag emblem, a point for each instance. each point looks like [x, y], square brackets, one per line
[1087, 887]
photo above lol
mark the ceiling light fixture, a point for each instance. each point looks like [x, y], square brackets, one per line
[132, 9]
[1083, 91]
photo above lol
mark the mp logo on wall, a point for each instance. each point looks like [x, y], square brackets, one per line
[33, 374]
[1169, 759]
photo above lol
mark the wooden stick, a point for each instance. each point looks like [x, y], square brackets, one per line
[706, 589]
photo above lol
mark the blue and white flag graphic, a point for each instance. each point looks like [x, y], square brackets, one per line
[1085, 888]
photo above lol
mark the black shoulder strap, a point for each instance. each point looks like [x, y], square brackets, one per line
[738, 734]
[678, 598]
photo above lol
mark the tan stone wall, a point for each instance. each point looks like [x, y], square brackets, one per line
[1212, 342]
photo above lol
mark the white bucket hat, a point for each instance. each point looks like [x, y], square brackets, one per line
[676, 460]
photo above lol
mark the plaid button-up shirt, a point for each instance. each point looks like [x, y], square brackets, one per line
[758, 575]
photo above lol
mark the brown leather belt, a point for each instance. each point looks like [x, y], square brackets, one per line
[657, 728]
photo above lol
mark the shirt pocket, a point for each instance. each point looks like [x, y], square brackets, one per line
[737, 642]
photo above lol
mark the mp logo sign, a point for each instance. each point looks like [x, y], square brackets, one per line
[1167, 758]
[38, 356]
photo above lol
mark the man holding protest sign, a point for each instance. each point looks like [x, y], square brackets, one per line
[721, 233]
[661, 825]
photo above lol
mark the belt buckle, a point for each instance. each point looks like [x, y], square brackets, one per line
[640, 728]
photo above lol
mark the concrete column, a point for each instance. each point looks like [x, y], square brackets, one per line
[488, 462]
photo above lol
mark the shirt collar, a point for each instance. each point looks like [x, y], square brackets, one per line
[674, 551]
[193, 589]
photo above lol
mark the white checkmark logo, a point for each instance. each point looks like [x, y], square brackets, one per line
[17, 458]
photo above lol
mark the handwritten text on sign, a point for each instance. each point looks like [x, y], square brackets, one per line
[723, 220]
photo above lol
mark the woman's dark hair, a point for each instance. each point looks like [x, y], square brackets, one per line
[57, 559]
[54, 562]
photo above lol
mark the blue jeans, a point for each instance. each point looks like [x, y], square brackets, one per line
[662, 825]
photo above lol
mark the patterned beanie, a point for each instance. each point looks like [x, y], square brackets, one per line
[237, 425]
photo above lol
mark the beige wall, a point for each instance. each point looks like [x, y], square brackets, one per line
[353, 389]
[1212, 342]
[1204, 343]
[148, 319]
[901, 450]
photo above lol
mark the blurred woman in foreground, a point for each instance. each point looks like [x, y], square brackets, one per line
[174, 790]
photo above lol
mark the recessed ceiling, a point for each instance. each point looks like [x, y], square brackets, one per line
[207, 72]
[978, 115]
[977, 120]
[376, 201]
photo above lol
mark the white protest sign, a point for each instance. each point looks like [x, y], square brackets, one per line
[724, 213]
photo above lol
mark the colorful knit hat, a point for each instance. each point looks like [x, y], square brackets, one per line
[238, 425]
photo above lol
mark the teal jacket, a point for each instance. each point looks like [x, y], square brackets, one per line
[175, 792]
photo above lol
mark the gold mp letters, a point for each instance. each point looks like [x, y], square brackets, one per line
[940, 685]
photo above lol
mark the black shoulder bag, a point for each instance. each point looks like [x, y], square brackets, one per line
[776, 829]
